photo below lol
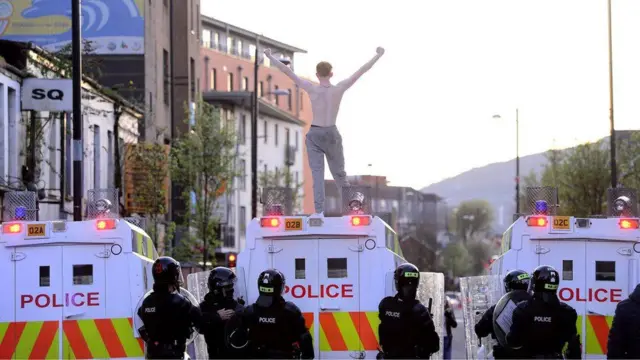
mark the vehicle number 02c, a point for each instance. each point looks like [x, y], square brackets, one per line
[293, 224]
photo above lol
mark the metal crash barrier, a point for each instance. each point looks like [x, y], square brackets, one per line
[479, 293]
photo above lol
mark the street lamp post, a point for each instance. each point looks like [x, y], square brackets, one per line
[76, 55]
[612, 138]
[254, 134]
[517, 159]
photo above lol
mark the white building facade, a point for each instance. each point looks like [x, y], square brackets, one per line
[54, 156]
[279, 150]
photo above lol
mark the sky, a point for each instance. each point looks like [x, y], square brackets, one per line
[425, 111]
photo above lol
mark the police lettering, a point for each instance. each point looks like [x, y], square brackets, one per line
[265, 320]
[392, 314]
[542, 319]
[590, 294]
[326, 291]
[53, 94]
[57, 300]
[150, 310]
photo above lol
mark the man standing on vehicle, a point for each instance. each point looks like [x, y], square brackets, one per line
[515, 280]
[543, 325]
[406, 329]
[168, 317]
[624, 336]
[219, 305]
[272, 328]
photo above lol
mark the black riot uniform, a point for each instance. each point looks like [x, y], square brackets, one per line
[515, 280]
[168, 317]
[406, 330]
[220, 297]
[272, 328]
[543, 325]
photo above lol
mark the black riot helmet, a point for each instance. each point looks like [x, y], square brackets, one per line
[166, 271]
[407, 278]
[516, 280]
[270, 286]
[221, 282]
[545, 279]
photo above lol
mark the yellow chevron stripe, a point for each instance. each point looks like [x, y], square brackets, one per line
[27, 339]
[53, 350]
[348, 330]
[324, 343]
[374, 321]
[125, 334]
[93, 338]
[150, 248]
[139, 241]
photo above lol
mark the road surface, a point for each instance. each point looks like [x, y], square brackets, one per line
[458, 349]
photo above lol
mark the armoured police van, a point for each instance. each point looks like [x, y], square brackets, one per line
[597, 257]
[72, 286]
[337, 270]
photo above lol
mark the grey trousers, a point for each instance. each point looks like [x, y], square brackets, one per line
[321, 142]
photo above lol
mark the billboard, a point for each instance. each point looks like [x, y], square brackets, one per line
[112, 26]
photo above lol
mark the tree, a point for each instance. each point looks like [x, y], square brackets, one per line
[202, 164]
[479, 252]
[582, 178]
[284, 178]
[629, 161]
[472, 217]
[456, 259]
[530, 180]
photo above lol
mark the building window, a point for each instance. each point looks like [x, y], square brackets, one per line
[297, 140]
[605, 271]
[252, 52]
[165, 66]
[215, 40]
[197, 19]
[286, 137]
[243, 218]
[301, 100]
[110, 161]
[229, 44]
[229, 81]
[96, 157]
[297, 179]
[245, 83]
[243, 174]
[337, 268]
[239, 48]
[260, 88]
[275, 134]
[206, 38]
[193, 78]
[277, 96]
[265, 131]
[214, 79]
[289, 101]
[242, 136]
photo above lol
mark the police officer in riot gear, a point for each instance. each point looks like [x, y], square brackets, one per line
[218, 307]
[406, 329]
[515, 280]
[168, 317]
[272, 328]
[543, 325]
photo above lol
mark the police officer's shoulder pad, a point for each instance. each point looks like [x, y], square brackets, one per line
[419, 309]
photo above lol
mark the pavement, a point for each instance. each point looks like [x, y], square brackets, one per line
[458, 350]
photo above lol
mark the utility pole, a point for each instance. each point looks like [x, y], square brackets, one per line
[254, 138]
[76, 50]
[517, 163]
[612, 136]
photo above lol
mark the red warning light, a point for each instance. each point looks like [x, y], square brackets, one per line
[360, 220]
[11, 228]
[629, 224]
[269, 222]
[539, 221]
[106, 224]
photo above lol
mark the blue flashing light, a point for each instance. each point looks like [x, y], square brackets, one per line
[21, 212]
[541, 207]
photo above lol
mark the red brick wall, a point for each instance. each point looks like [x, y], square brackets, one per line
[219, 60]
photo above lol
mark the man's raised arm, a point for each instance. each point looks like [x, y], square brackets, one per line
[304, 84]
[347, 83]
